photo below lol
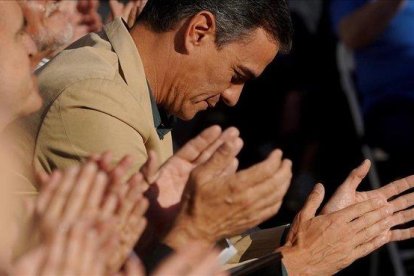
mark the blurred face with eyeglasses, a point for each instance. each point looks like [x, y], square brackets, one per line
[54, 24]
[48, 24]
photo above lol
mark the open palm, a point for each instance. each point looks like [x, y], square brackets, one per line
[347, 195]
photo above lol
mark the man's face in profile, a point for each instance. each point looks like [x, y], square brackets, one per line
[18, 90]
[213, 73]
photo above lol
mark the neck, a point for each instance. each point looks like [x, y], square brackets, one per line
[157, 54]
[4, 121]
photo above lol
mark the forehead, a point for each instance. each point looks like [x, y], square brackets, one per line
[11, 16]
[256, 51]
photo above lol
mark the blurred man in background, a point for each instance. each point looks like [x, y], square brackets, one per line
[380, 35]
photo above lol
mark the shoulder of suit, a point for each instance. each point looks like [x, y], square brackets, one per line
[89, 58]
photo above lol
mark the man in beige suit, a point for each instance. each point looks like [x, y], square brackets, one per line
[117, 90]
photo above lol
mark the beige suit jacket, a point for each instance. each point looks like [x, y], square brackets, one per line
[96, 99]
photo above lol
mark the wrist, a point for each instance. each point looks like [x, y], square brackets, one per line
[293, 262]
[185, 231]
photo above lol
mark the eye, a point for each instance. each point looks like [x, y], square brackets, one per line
[238, 78]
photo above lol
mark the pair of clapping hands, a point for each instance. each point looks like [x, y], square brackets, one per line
[197, 196]
[88, 221]
[218, 202]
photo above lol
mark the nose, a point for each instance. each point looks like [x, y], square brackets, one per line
[231, 95]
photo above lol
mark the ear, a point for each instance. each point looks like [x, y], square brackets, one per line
[201, 30]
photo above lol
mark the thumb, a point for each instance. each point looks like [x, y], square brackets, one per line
[150, 169]
[357, 175]
[313, 202]
[42, 178]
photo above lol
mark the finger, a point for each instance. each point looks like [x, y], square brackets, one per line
[57, 203]
[365, 249]
[262, 215]
[127, 203]
[397, 187]
[134, 266]
[108, 209]
[375, 223]
[55, 256]
[94, 157]
[118, 172]
[137, 215]
[261, 171]
[229, 135]
[192, 149]
[403, 217]
[89, 252]
[222, 158]
[105, 161]
[371, 218]
[48, 192]
[80, 192]
[74, 249]
[42, 178]
[30, 263]
[357, 175]
[230, 169]
[403, 202]
[313, 202]
[123, 165]
[150, 169]
[133, 15]
[127, 10]
[402, 234]
[357, 210]
[272, 191]
[96, 194]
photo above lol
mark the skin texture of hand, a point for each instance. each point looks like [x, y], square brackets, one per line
[325, 244]
[129, 11]
[219, 203]
[72, 251]
[169, 181]
[87, 192]
[193, 260]
[347, 195]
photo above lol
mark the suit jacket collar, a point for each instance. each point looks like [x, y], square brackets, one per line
[133, 72]
[129, 59]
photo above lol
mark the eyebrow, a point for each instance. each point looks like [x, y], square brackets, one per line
[248, 73]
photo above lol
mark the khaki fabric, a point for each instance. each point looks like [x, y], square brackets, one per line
[96, 99]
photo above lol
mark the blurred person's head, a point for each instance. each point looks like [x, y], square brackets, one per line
[48, 25]
[217, 45]
[83, 15]
[19, 94]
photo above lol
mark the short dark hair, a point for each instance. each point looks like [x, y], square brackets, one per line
[234, 18]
